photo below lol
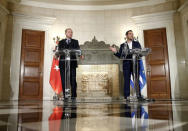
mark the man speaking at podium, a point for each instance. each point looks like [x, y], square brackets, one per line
[69, 43]
[127, 64]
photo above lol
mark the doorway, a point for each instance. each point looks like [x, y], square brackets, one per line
[31, 65]
[157, 63]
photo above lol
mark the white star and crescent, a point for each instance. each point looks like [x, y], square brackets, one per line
[56, 67]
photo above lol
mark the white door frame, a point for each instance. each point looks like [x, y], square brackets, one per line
[161, 20]
[21, 21]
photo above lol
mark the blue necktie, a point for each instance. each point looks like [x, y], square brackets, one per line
[68, 41]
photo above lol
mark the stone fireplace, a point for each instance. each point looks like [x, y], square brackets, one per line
[98, 80]
[98, 74]
[92, 82]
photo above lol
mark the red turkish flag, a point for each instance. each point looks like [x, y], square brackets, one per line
[55, 119]
[55, 77]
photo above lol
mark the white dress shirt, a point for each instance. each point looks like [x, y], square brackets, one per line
[130, 44]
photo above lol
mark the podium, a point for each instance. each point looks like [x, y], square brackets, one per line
[136, 56]
[67, 53]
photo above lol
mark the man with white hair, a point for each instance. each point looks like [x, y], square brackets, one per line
[69, 43]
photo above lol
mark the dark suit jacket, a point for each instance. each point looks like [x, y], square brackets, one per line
[74, 44]
[135, 44]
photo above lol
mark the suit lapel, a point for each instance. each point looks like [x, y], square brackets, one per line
[65, 43]
[133, 45]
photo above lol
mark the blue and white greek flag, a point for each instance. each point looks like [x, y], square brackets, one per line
[143, 119]
[142, 78]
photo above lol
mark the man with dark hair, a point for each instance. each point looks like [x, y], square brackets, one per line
[128, 32]
[69, 43]
[127, 64]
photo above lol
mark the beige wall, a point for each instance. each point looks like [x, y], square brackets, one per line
[106, 25]
[6, 90]
[5, 49]
[3, 26]
[4, 3]
[180, 47]
[183, 18]
[182, 2]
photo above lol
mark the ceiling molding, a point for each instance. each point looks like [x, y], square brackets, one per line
[72, 6]
[154, 17]
[21, 18]
[183, 6]
[3, 12]
[14, 1]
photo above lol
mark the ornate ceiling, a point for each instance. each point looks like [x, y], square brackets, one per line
[90, 4]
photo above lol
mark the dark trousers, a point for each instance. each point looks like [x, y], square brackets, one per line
[127, 71]
[72, 81]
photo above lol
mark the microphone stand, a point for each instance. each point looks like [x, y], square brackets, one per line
[67, 53]
[136, 54]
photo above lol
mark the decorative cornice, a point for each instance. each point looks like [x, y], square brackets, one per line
[183, 6]
[66, 6]
[33, 19]
[14, 1]
[3, 11]
[162, 16]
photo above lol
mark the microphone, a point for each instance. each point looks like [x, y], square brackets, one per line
[125, 51]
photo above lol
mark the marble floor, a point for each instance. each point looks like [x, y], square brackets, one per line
[93, 116]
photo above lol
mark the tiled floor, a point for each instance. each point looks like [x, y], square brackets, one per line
[93, 116]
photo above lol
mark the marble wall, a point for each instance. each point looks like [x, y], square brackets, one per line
[6, 90]
[182, 46]
[4, 3]
[181, 2]
[106, 25]
[3, 27]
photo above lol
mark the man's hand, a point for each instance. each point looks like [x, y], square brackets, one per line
[113, 49]
[82, 57]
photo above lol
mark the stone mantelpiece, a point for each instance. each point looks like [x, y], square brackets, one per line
[97, 52]
[98, 75]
